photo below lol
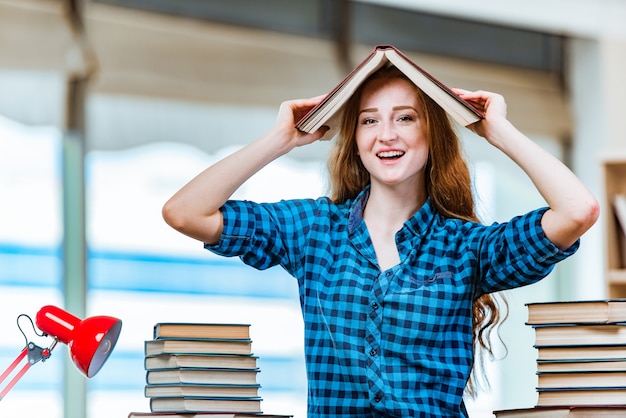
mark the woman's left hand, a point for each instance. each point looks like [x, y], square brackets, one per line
[491, 104]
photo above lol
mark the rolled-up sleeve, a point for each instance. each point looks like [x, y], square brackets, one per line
[518, 253]
[265, 234]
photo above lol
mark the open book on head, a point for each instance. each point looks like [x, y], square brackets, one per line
[328, 112]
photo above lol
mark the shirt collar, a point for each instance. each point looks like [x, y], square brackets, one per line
[416, 224]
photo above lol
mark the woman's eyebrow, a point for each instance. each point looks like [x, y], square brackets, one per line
[404, 107]
[369, 110]
[375, 109]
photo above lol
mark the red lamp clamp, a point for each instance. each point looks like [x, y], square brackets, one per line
[35, 354]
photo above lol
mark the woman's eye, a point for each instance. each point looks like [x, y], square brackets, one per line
[406, 118]
[368, 121]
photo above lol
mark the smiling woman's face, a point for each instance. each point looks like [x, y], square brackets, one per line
[390, 133]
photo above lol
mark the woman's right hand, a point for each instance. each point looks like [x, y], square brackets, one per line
[289, 113]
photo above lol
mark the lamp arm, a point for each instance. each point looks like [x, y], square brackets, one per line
[35, 354]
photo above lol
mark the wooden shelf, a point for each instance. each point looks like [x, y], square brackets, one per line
[614, 170]
[617, 276]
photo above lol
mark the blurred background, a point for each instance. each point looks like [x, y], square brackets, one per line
[107, 107]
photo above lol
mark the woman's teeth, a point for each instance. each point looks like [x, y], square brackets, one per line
[390, 154]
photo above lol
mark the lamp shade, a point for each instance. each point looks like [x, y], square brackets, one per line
[90, 341]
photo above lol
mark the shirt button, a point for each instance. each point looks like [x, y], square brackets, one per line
[374, 305]
[373, 352]
[378, 397]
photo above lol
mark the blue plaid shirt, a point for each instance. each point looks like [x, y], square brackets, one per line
[393, 343]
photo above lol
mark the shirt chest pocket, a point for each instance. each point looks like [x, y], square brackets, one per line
[406, 283]
[421, 307]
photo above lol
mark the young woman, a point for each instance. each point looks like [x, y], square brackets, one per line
[394, 270]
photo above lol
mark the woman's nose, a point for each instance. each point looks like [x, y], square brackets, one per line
[387, 131]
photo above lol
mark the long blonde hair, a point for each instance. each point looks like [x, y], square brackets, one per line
[448, 185]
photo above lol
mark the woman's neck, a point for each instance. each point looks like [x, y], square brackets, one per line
[385, 213]
[393, 206]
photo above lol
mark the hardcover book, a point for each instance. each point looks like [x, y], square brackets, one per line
[586, 396]
[202, 390]
[609, 411]
[201, 376]
[205, 346]
[204, 415]
[191, 404]
[605, 311]
[328, 112]
[200, 360]
[584, 335]
[200, 330]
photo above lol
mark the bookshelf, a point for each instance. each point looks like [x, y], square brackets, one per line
[614, 172]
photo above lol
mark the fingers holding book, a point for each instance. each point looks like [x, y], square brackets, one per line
[291, 111]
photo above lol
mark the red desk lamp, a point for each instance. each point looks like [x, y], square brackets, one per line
[90, 342]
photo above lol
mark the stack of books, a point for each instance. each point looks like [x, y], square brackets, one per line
[195, 369]
[581, 359]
